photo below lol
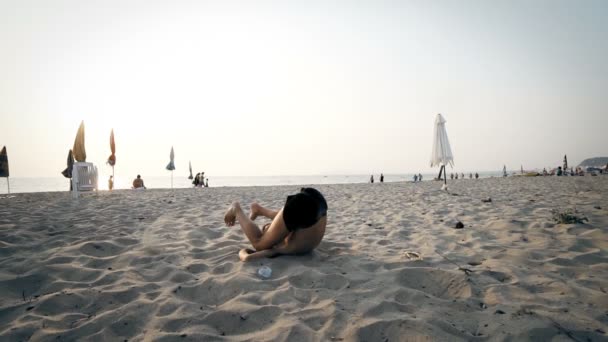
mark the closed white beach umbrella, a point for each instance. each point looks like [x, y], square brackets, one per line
[442, 153]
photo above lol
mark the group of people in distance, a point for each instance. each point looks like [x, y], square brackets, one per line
[417, 178]
[138, 183]
[371, 178]
[200, 181]
[452, 176]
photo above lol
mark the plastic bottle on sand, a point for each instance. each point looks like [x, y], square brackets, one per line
[265, 272]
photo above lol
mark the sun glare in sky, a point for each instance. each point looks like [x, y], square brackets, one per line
[297, 88]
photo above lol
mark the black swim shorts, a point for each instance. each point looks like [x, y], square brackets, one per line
[304, 209]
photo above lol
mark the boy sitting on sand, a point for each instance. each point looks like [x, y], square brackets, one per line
[295, 229]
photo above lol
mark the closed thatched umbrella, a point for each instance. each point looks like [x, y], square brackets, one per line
[79, 151]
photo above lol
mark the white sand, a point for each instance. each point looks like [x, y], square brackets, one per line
[160, 265]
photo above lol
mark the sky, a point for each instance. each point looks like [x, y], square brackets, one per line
[302, 87]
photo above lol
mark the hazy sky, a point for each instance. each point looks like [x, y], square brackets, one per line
[308, 87]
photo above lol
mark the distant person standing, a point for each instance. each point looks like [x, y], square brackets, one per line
[470, 176]
[196, 179]
[371, 179]
[452, 176]
[456, 175]
[206, 182]
[111, 183]
[381, 178]
[476, 175]
[420, 177]
[462, 175]
[415, 178]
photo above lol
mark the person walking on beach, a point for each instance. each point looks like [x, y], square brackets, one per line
[196, 179]
[381, 178]
[296, 228]
[199, 180]
[371, 179]
[138, 183]
[415, 178]
[111, 183]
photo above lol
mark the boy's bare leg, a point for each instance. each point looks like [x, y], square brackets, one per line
[234, 213]
[258, 210]
[246, 254]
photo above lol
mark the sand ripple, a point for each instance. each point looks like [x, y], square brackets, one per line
[159, 265]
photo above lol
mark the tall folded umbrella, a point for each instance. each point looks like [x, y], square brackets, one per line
[112, 157]
[442, 153]
[565, 162]
[504, 170]
[67, 173]
[190, 166]
[79, 151]
[4, 167]
[171, 165]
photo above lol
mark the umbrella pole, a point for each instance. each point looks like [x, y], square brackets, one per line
[8, 185]
[445, 176]
[171, 179]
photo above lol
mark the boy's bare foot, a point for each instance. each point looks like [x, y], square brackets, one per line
[255, 211]
[230, 216]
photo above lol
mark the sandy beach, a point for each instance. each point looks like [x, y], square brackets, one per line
[160, 265]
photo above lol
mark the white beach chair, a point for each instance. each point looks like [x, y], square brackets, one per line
[84, 178]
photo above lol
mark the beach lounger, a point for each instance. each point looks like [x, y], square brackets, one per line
[84, 178]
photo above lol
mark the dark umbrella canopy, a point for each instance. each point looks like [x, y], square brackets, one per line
[4, 163]
[67, 173]
[171, 165]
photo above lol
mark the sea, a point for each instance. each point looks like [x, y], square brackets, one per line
[50, 184]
